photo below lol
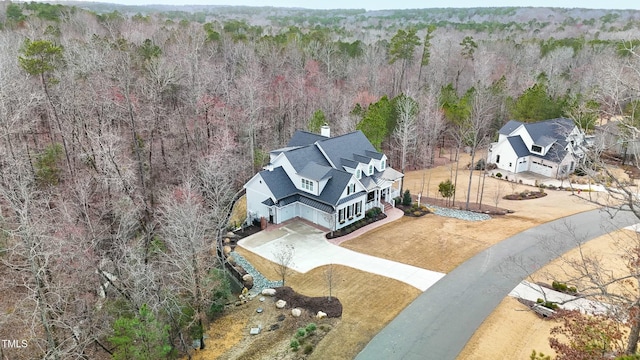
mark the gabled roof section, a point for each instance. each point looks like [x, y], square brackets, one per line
[278, 182]
[373, 154]
[361, 158]
[304, 138]
[349, 163]
[556, 153]
[346, 146]
[315, 171]
[300, 157]
[518, 146]
[334, 187]
[557, 129]
[509, 127]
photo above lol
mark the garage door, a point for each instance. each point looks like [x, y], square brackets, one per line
[541, 168]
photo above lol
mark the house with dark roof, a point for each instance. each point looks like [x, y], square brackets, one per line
[330, 181]
[551, 148]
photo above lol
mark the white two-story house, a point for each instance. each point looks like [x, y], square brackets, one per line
[552, 148]
[330, 181]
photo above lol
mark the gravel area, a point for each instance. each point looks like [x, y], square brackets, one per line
[259, 281]
[458, 214]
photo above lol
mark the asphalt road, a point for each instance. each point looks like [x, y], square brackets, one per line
[438, 324]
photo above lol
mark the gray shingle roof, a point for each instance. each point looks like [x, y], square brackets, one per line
[509, 127]
[303, 138]
[278, 182]
[314, 171]
[556, 153]
[518, 146]
[348, 163]
[345, 146]
[557, 129]
[373, 154]
[351, 197]
[299, 158]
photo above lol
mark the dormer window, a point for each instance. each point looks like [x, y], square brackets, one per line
[383, 164]
[370, 169]
[358, 174]
[307, 185]
[536, 149]
[351, 188]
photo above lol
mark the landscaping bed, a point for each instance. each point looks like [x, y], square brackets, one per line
[526, 195]
[371, 216]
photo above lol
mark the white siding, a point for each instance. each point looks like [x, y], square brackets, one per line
[257, 192]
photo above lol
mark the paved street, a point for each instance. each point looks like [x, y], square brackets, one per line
[438, 324]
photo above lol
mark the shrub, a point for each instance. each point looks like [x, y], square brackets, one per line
[308, 349]
[480, 165]
[294, 344]
[373, 212]
[406, 198]
[301, 333]
[311, 327]
[499, 175]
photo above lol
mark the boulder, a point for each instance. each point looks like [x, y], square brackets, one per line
[231, 260]
[269, 292]
[321, 315]
[247, 281]
[280, 304]
[227, 240]
[296, 312]
[226, 250]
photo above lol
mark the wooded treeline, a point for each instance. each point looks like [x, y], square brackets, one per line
[125, 138]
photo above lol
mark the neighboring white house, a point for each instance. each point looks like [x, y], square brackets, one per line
[552, 148]
[330, 181]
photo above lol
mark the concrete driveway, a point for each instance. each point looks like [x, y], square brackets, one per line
[312, 250]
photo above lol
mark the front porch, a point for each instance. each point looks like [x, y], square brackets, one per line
[381, 197]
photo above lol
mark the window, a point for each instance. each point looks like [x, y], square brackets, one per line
[358, 174]
[358, 208]
[351, 188]
[536, 148]
[307, 184]
[350, 212]
[497, 159]
[341, 216]
[370, 169]
[383, 164]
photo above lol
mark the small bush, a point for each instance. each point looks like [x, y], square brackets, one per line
[301, 333]
[311, 327]
[499, 175]
[308, 349]
[294, 344]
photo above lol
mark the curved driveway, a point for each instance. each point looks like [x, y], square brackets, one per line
[438, 324]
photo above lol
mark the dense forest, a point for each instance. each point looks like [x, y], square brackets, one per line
[127, 133]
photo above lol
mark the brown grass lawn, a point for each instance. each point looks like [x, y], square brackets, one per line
[513, 332]
[432, 242]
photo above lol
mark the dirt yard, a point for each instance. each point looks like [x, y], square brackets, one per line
[432, 242]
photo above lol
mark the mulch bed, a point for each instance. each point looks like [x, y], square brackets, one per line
[526, 195]
[353, 227]
[333, 307]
